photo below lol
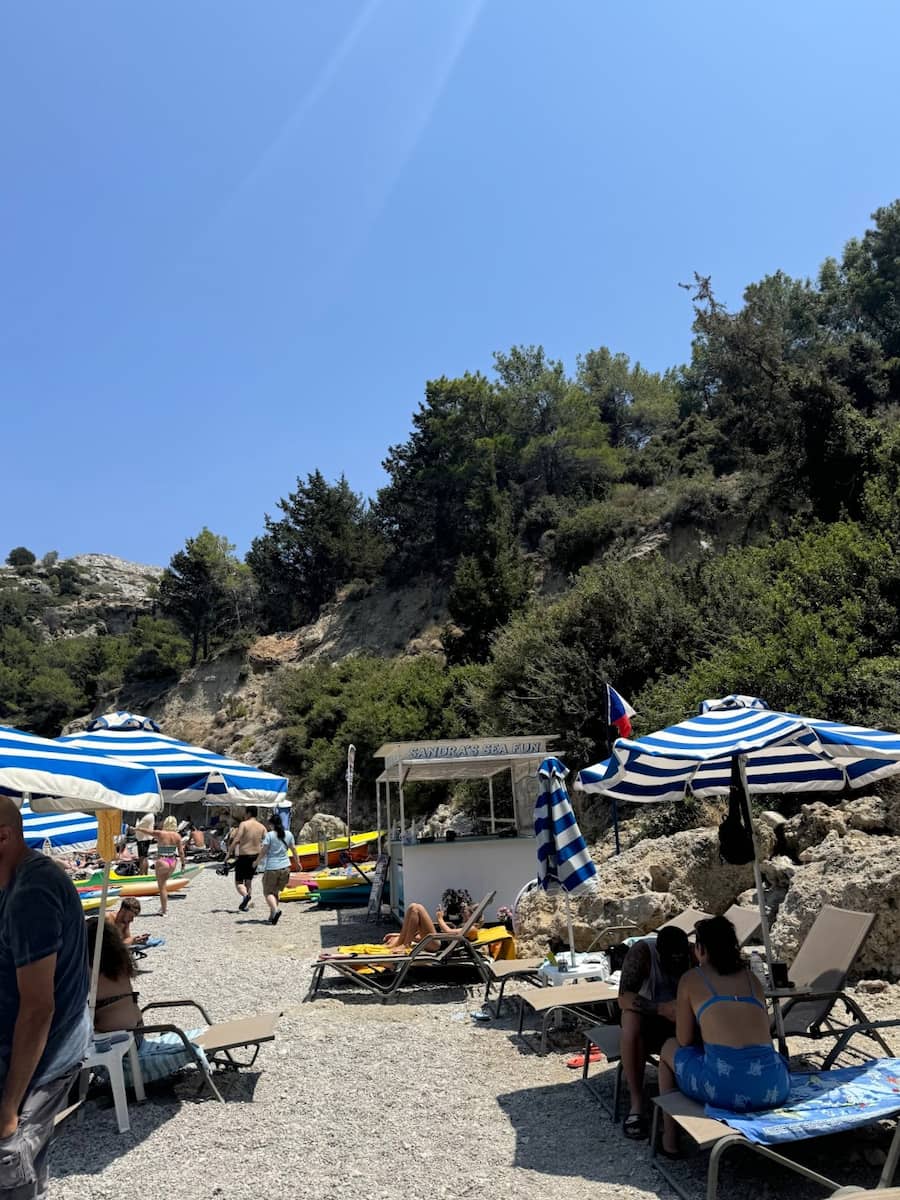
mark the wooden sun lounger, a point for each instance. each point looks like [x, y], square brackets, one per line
[718, 1137]
[580, 999]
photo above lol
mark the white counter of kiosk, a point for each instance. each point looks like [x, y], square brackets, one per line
[502, 859]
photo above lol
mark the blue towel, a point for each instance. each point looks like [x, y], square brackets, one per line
[152, 942]
[823, 1102]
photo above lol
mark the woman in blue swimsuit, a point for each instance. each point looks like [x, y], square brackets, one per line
[722, 1052]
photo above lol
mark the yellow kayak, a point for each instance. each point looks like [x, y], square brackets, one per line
[295, 893]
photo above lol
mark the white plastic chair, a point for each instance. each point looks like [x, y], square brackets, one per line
[108, 1051]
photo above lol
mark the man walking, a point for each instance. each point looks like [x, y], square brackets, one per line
[44, 1024]
[246, 843]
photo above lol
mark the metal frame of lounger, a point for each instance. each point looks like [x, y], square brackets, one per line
[720, 1138]
[579, 998]
[819, 976]
[385, 973]
[217, 1040]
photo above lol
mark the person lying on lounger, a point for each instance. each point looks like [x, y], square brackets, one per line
[736, 1066]
[417, 925]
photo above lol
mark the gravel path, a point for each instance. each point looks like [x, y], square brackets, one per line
[411, 1099]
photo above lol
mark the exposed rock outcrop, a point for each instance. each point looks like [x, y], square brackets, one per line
[322, 827]
[642, 888]
[859, 871]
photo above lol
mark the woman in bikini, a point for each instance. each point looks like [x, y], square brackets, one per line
[169, 850]
[722, 1052]
[417, 925]
[117, 1008]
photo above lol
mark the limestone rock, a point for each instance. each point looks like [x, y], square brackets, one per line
[445, 817]
[773, 819]
[872, 986]
[873, 814]
[860, 872]
[643, 887]
[836, 842]
[777, 872]
[322, 827]
[811, 826]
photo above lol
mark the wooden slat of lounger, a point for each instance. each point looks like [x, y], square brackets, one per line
[692, 1118]
[247, 1031]
[569, 995]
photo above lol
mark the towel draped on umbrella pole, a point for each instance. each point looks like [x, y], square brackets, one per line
[773, 752]
[563, 856]
[186, 773]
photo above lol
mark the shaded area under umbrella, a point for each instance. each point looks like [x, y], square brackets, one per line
[764, 751]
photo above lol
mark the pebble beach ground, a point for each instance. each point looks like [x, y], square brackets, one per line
[410, 1099]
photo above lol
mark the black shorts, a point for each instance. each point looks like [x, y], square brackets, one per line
[244, 868]
[143, 849]
[655, 1031]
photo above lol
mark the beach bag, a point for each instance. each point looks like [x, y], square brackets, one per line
[735, 834]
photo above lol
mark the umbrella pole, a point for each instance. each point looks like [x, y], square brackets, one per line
[760, 896]
[98, 941]
[571, 930]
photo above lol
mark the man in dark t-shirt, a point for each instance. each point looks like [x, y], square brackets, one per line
[44, 1024]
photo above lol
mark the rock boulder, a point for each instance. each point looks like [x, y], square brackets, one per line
[642, 888]
[858, 871]
[322, 827]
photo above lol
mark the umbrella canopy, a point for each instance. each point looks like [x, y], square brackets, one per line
[64, 831]
[563, 856]
[783, 753]
[69, 779]
[185, 772]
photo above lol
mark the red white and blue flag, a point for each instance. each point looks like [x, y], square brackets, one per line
[620, 712]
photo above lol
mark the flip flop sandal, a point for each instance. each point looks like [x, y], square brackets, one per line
[636, 1127]
[596, 1055]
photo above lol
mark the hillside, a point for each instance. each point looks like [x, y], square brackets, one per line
[731, 524]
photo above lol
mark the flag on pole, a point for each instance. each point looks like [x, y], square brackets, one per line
[620, 712]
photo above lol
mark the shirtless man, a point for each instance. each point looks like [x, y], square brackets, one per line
[246, 844]
[44, 1025]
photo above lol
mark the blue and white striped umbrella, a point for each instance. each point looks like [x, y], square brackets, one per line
[784, 753]
[562, 852]
[185, 772]
[61, 778]
[64, 831]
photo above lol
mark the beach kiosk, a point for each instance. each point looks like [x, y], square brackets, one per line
[501, 856]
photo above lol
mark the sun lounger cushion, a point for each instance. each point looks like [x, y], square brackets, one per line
[823, 1102]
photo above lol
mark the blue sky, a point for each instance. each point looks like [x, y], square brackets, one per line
[237, 238]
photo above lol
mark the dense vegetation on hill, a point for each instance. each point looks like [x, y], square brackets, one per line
[777, 446]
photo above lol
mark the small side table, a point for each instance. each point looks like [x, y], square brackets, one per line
[108, 1050]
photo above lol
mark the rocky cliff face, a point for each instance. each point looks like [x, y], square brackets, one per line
[846, 854]
[110, 594]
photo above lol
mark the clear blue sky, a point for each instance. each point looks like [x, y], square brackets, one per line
[237, 238]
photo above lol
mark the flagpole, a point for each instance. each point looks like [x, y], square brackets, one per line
[607, 751]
